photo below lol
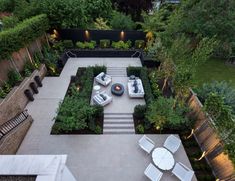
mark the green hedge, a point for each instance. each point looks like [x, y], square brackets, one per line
[22, 34]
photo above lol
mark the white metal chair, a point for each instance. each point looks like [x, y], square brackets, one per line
[146, 144]
[172, 143]
[153, 173]
[182, 172]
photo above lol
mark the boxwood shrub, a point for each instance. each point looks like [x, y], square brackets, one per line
[13, 39]
[104, 43]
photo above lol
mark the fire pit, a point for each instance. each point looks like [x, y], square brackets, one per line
[117, 89]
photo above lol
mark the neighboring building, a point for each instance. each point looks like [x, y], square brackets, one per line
[157, 4]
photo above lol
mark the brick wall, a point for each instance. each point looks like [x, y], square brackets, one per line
[16, 100]
[10, 143]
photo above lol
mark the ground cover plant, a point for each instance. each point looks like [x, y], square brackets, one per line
[75, 114]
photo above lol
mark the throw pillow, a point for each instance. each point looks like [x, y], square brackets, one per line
[136, 89]
[103, 77]
[103, 97]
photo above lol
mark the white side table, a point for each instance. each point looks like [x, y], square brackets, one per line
[162, 158]
[97, 89]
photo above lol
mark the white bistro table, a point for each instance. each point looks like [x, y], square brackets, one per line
[162, 158]
[97, 89]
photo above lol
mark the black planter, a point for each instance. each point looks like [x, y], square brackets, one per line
[33, 87]
[29, 95]
[38, 81]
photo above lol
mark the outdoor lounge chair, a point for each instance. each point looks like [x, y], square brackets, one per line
[102, 99]
[153, 173]
[182, 172]
[172, 143]
[135, 88]
[103, 79]
[146, 144]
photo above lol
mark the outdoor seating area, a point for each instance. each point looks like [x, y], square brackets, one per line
[134, 87]
[163, 158]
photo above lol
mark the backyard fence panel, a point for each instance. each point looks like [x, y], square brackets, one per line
[208, 138]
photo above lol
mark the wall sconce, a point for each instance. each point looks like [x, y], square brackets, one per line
[87, 35]
[122, 35]
[202, 156]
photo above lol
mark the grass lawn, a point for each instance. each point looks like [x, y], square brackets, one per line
[215, 69]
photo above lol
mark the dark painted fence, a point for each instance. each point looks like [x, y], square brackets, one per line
[97, 35]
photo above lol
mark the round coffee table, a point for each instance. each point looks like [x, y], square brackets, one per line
[97, 89]
[117, 89]
[162, 158]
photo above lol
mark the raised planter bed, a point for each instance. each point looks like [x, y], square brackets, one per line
[15, 101]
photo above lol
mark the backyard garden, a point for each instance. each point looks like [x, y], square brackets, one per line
[189, 45]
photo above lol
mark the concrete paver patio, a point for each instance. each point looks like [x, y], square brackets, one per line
[90, 157]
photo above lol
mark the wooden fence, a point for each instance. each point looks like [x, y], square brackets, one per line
[208, 139]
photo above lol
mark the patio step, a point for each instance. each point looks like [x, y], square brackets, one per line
[117, 71]
[118, 123]
[118, 131]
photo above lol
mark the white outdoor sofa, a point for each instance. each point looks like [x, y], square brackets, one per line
[182, 172]
[135, 88]
[153, 173]
[172, 143]
[102, 99]
[146, 144]
[103, 79]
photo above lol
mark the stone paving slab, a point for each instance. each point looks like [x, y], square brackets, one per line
[104, 157]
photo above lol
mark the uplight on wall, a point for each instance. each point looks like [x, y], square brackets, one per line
[122, 35]
[87, 35]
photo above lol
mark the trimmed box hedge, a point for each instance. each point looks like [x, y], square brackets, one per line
[13, 39]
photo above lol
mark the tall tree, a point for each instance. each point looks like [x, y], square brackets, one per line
[133, 7]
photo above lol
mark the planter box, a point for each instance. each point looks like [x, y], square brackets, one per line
[16, 100]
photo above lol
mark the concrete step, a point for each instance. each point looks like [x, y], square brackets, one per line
[118, 116]
[118, 126]
[118, 121]
[118, 131]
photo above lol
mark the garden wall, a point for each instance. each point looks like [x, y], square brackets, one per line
[208, 139]
[113, 35]
[10, 143]
[19, 58]
[16, 100]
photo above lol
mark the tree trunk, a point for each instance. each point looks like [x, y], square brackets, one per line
[164, 84]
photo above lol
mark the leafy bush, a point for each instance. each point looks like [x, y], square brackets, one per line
[139, 44]
[13, 39]
[162, 114]
[89, 45]
[68, 44]
[9, 22]
[154, 84]
[64, 14]
[222, 88]
[7, 5]
[28, 69]
[121, 45]
[139, 111]
[120, 21]
[99, 69]
[147, 88]
[98, 8]
[140, 129]
[13, 77]
[104, 43]
[101, 24]
[133, 71]
[4, 90]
